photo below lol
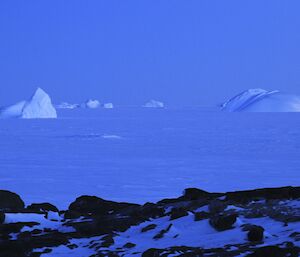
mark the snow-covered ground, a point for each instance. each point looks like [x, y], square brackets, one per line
[141, 154]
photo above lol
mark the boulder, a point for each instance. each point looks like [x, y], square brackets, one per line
[255, 233]
[10, 201]
[177, 213]
[89, 205]
[223, 222]
[42, 207]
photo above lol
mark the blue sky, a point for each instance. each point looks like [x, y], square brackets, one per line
[197, 52]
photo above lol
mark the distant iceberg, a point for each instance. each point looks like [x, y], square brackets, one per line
[154, 104]
[260, 100]
[39, 106]
[108, 106]
[92, 104]
[66, 105]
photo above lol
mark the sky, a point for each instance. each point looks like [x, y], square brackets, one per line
[183, 52]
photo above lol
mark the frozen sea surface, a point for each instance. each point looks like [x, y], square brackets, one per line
[139, 155]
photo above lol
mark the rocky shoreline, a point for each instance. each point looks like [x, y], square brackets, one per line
[254, 223]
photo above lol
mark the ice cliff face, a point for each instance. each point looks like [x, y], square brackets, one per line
[260, 100]
[39, 106]
[154, 104]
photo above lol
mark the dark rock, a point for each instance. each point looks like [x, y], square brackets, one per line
[72, 214]
[152, 253]
[148, 211]
[272, 251]
[10, 201]
[13, 249]
[149, 227]
[2, 217]
[255, 233]
[216, 206]
[129, 245]
[177, 213]
[86, 205]
[195, 194]
[42, 207]
[107, 241]
[223, 222]
[163, 232]
[264, 193]
[202, 215]
[15, 227]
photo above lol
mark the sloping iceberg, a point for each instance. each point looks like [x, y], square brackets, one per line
[260, 100]
[39, 106]
[13, 111]
[154, 104]
[92, 104]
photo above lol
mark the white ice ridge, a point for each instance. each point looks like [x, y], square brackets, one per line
[260, 100]
[154, 104]
[39, 106]
[66, 105]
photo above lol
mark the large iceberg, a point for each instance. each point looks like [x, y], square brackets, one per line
[39, 106]
[260, 100]
[154, 104]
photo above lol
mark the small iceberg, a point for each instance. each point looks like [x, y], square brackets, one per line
[260, 100]
[108, 106]
[154, 104]
[38, 107]
[66, 105]
[92, 104]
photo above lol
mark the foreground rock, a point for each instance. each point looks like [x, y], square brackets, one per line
[198, 223]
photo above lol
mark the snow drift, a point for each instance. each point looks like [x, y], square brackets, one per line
[154, 104]
[39, 106]
[260, 100]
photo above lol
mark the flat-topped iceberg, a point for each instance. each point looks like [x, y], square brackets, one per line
[39, 106]
[154, 104]
[66, 105]
[260, 100]
[108, 106]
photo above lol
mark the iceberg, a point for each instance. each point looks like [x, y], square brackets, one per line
[13, 111]
[108, 106]
[260, 100]
[154, 104]
[66, 105]
[39, 106]
[92, 104]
